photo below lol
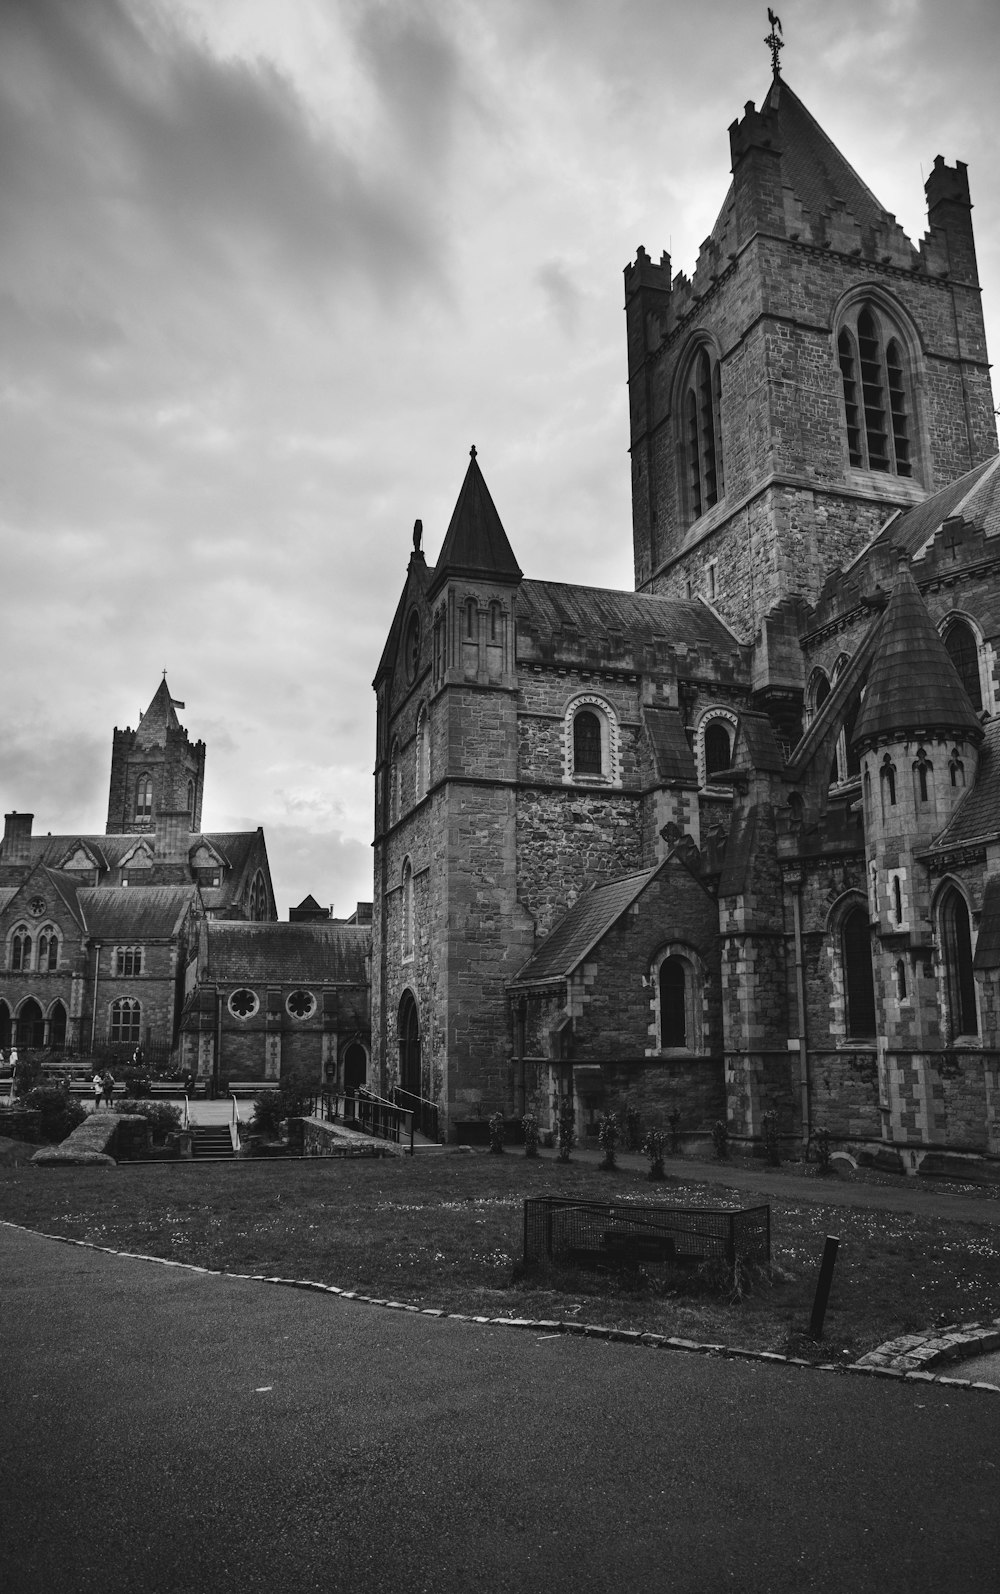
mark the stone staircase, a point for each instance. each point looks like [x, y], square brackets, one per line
[211, 1142]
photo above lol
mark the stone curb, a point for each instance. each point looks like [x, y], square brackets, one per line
[914, 1354]
[552, 1327]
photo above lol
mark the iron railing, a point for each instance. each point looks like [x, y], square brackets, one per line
[364, 1111]
[426, 1115]
[559, 1230]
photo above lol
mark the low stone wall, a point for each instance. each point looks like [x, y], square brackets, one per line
[21, 1123]
[95, 1142]
[330, 1140]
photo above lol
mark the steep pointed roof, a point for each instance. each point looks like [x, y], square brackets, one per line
[159, 718]
[811, 166]
[475, 543]
[913, 684]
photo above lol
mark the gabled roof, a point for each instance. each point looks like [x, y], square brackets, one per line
[581, 927]
[756, 744]
[672, 753]
[320, 953]
[475, 543]
[912, 684]
[545, 608]
[739, 851]
[975, 496]
[136, 913]
[158, 719]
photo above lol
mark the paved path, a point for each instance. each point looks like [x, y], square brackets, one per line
[168, 1430]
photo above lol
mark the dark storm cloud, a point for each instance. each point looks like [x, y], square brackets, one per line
[118, 123]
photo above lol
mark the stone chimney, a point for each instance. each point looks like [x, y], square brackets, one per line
[17, 838]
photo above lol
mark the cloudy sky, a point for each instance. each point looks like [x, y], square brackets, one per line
[269, 267]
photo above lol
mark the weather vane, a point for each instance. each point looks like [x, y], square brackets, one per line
[774, 41]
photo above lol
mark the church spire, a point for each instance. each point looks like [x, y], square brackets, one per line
[475, 544]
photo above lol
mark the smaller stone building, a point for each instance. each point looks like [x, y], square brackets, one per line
[273, 1002]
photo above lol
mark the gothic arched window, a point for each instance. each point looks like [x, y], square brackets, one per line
[963, 650]
[408, 916]
[859, 985]
[257, 907]
[394, 798]
[48, 949]
[877, 401]
[956, 950]
[20, 949]
[423, 756]
[57, 1025]
[701, 408]
[126, 1022]
[718, 748]
[673, 1002]
[144, 797]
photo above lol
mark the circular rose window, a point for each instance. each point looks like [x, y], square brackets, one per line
[301, 1004]
[243, 1004]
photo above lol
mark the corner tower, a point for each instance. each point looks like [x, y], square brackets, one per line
[157, 772]
[816, 373]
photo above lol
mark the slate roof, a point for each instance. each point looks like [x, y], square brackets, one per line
[580, 929]
[739, 851]
[975, 496]
[978, 814]
[158, 719]
[756, 733]
[135, 913]
[912, 684]
[811, 166]
[988, 942]
[310, 953]
[672, 752]
[640, 618]
[475, 543]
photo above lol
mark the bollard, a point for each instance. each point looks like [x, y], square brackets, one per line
[823, 1287]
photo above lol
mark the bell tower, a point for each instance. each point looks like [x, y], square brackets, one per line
[157, 772]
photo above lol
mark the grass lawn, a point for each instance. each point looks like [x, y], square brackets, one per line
[445, 1230]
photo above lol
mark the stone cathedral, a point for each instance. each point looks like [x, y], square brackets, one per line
[727, 845]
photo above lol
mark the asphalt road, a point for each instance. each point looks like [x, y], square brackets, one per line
[164, 1430]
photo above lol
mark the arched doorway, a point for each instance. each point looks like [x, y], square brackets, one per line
[30, 1024]
[5, 1025]
[57, 1025]
[355, 1068]
[408, 1028]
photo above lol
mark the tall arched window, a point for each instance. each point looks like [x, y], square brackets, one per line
[956, 949]
[422, 771]
[718, 748]
[673, 1002]
[963, 650]
[859, 985]
[190, 798]
[586, 743]
[258, 898]
[407, 924]
[126, 1022]
[394, 798]
[20, 949]
[923, 777]
[701, 408]
[48, 949]
[877, 395]
[5, 1025]
[57, 1025]
[144, 797]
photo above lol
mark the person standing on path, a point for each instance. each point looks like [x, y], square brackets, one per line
[109, 1087]
[98, 1088]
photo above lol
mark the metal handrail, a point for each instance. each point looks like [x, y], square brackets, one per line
[184, 1118]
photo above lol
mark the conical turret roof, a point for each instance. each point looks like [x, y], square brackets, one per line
[475, 543]
[159, 718]
[913, 686]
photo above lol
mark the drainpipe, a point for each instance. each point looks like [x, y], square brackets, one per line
[795, 881]
[93, 1016]
[218, 1044]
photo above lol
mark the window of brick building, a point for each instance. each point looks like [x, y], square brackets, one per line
[126, 1022]
[301, 1004]
[859, 984]
[48, 949]
[878, 407]
[586, 743]
[128, 961]
[144, 797]
[956, 950]
[408, 911]
[20, 949]
[963, 650]
[243, 1003]
[701, 408]
[591, 746]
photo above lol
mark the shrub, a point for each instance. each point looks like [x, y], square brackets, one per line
[674, 1125]
[529, 1123]
[268, 1112]
[60, 1114]
[496, 1134]
[654, 1147]
[136, 1084]
[567, 1128]
[163, 1118]
[607, 1139]
[720, 1139]
[821, 1140]
[632, 1140]
[28, 1073]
